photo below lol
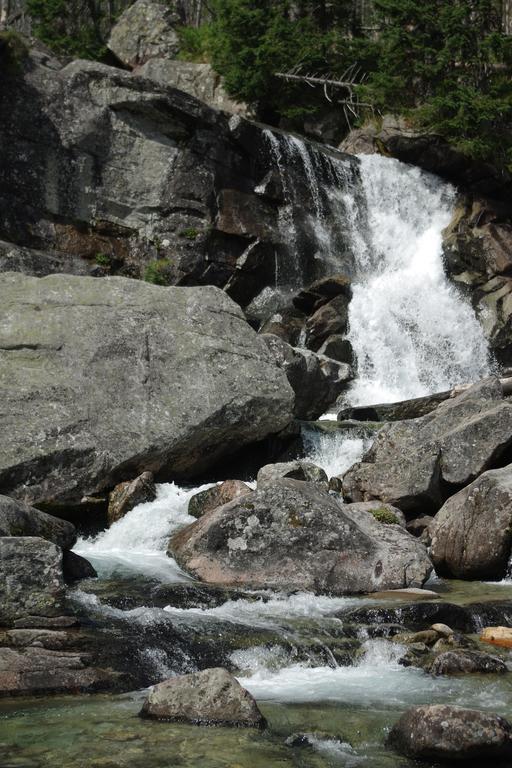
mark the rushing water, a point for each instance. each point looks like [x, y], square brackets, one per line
[413, 334]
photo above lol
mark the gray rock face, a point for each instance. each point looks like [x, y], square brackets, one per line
[211, 498]
[467, 662]
[292, 470]
[294, 535]
[316, 380]
[471, 534]
[410, 460]
[200, 80]
[124, 174]
[126, 496]
[31, 582]
[446, 733]
[145, 30]
[38, 263]
[19, 519]
[210, 697]
[118, 377]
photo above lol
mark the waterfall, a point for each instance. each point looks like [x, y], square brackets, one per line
[412, 331]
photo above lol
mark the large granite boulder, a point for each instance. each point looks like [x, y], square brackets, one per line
[133, 177]
[451, 734]
[146, 30]
[411, 463]
[210, 697]
[294, 535]
[471, 535]
[104, 379]
[315, 379]
[31, 581]
[20, 519]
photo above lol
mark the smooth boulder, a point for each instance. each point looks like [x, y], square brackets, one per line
[295, 535]
[411, 462]
[293, 470]
[20, 519]
[471, 535]
[211, 498]
[101, 380]
[210, 697]
[31, 581]
[452, 734]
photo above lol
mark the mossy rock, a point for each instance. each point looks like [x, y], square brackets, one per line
[385, 516]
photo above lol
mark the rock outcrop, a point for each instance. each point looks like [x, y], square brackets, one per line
[471, 535]
[127, 495]
[210, 697]
[452, 734]
[20, 519]
[146, 30]
[294, 535]
[411, 463]
[118, 377]
[315, 379]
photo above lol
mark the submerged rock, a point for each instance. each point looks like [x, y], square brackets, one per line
[115, 358]
[411, 462]
[471, 535]
[294, 535]
[31, 581]
[20, 519]
[316, 380]
[447, 733]
[210, 697]
[292, 470]
[128, 495]
[76, 567]
[211, 498]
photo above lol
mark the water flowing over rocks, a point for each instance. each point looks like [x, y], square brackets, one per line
[471, 535]
[452, 734]
[294, 535]
[411, 462]
[118, 357]
[20, 519]
[211, 697]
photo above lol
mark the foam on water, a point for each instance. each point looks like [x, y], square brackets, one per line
[335, 451]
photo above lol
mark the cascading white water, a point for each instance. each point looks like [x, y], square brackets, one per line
[412, 332]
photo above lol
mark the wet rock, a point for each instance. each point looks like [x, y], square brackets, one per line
[447, 733]
[426, 637]
[329, 319]
[466, 662]
[294, 535]
[210, 697]
[400, 411]
[293, 470]
[144, 343]
[128, 495]
[315, 380]
[411, 462]
[501, 636]
[20, 519]
[408, 594]
[198, 79]
[471, 534]
[442, 629]
[418, 615]
[287, 324]
[31, 582]
[338, 348]
[205, 501]
[321, 292]
[144, 31]
[75, 567]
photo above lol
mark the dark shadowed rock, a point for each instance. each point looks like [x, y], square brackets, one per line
[316, 380]
[471, 534]
[14, 258]
[293, 470]
[321, 292]
[19, 519]
[144, 31]
[118, 377]
[31, 582]
[411, 461]
[126, 496]
[329, 319]
[400, 411]
[210, 697]
[466, 662]
[294, 535]
[452, 734]
[76, 567]
[211, 498]
[338, 348]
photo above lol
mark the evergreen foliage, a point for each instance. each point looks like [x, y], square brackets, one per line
[53, 22]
